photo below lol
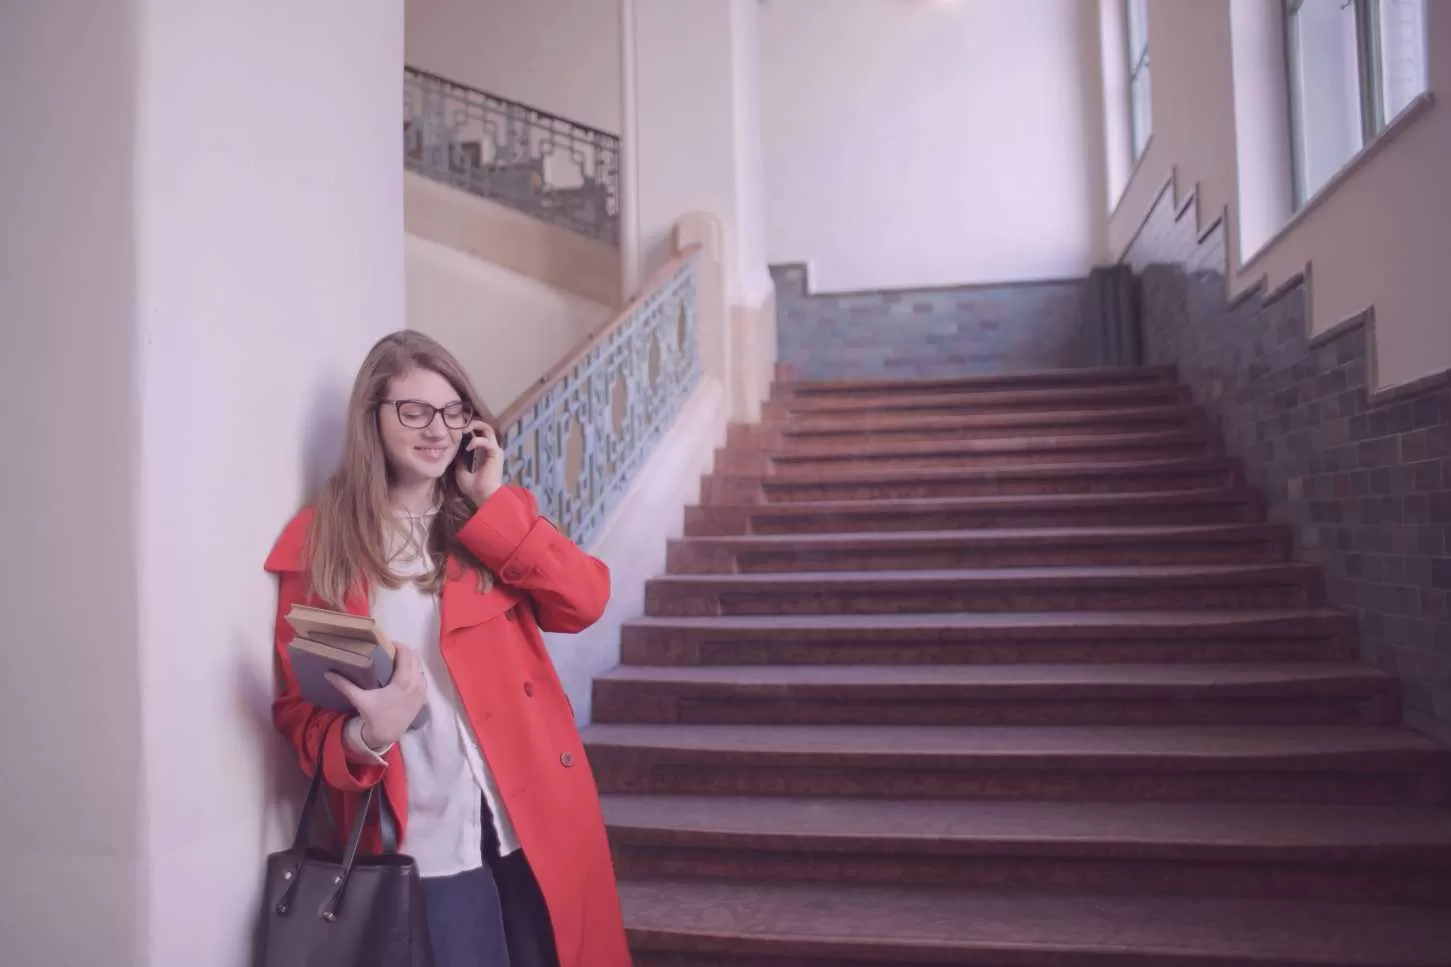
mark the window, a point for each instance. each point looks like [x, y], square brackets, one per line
[1353, 66]
[1141, 117]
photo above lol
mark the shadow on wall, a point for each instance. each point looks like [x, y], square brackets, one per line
[256, 684]
[323, 434]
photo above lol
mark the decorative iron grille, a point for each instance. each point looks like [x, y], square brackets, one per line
[580, 443]
[533, 161]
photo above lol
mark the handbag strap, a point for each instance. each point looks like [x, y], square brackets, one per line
[350, 854]
[302, 839]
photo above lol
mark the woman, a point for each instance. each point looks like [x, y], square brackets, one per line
[489, 791]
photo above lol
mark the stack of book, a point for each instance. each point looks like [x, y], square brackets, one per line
[334, 641]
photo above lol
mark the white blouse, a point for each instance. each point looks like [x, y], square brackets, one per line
[446, 770]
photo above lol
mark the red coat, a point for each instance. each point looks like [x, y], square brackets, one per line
[512, 697]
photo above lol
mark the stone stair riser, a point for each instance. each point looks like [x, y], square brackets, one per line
[639, 855]
[894, 406]
[622, 703]
[720, 488]
[722, 521]
[759, 462]
[687, 558]
[641, 647]
[638, 772]
[665, 600]
[850, 436]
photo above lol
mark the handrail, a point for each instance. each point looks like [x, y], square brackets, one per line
[552, 168]
[656, 280]
[579, 436]
[408, 69]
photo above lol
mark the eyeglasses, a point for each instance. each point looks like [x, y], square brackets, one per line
[416, 414]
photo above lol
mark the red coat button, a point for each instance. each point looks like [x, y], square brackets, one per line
[566, 760]
[529, 689]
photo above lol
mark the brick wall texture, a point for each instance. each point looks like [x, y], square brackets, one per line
[928, 332]
[1364, 480]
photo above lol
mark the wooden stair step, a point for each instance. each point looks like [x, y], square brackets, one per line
[1026, 694]
[1116, 588]
[1188, 506]
[1323, 764]
[1294, 833]
[996, 547]
[951, 403]
[1036, 379]
[871, 483]
[890, 422]
[998, 637]
[710, 924]
[859, 429]
[1397, 854]
[1015, 450]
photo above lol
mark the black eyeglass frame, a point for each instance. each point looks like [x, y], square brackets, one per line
[433, 411]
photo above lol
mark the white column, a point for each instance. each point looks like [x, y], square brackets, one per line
[205, 236]
[271, 257]
[630, 252]
[70, 699]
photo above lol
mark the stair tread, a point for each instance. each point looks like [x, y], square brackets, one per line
[1015, 576]
[1105, 468]
[885, 449]
[1030, 399]
[1069, 378]
[1078, 746]
[1120, 622]
[1092, 532]
[1108, 412]
[933, 925]
[1321, 832]
[1236, 677]
[911, 504]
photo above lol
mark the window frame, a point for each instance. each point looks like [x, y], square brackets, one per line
[1370, 70]
[1137, 64]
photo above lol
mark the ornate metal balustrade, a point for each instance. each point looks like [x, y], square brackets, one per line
[579, 438]
[546, 166]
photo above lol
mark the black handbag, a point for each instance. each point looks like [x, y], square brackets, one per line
[322, 909]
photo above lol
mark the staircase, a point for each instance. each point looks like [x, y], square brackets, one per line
[1007, 671]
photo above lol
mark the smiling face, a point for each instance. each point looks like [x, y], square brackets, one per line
[420, 454]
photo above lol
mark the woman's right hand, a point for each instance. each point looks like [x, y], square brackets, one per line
[387, 712]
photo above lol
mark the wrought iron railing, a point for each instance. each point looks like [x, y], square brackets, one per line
[579, 437]
[533, 161]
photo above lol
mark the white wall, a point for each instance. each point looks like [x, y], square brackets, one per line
[70, 700]
[750, 152]
[507, 329]
[562, 56]
[1373, 240]
[270, 258]
[696, 98]
[913, 144]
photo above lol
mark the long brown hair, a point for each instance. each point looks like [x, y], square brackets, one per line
[348, 539]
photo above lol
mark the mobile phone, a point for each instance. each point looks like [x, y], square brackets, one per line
[469, 457]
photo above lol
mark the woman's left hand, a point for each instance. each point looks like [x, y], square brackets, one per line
[481, 484]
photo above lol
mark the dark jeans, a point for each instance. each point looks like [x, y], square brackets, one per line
[494, 916]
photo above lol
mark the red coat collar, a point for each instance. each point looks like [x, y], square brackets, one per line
[462, 606]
